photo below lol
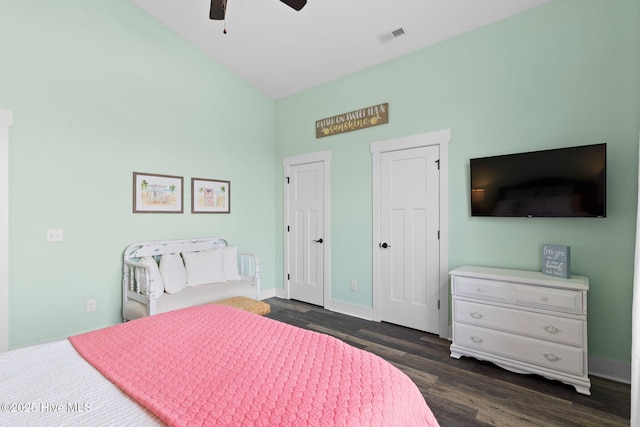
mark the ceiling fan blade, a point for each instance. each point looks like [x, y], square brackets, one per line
[296, 4]
[218, 9]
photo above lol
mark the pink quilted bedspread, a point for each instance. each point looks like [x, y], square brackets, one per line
[219, 366]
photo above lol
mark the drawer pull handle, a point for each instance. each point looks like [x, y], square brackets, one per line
[551, 357]
[476, 340]
[551, 329]
[476, 315]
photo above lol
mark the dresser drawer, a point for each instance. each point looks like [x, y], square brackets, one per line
[481, 288]
[567, 301]
[545, 354]
[551, 328]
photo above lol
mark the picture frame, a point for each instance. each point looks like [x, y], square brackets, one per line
[155, 193]
[210, 196]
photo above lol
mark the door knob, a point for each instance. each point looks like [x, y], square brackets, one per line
[319, 240]
[384, 245]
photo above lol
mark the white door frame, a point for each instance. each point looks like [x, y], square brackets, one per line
[287, 162]
[441, 138]
[6, 120]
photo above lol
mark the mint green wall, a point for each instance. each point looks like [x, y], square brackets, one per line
[564, 74]
[99, 90]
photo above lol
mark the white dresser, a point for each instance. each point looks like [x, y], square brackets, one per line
[523, 321]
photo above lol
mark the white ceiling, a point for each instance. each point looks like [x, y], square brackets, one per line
[282, 52]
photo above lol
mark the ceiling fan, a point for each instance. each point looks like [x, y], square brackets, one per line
[219, 7]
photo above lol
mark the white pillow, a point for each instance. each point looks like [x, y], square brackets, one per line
[204, 267]
[152, 285]
[230, 261]
[173, 273]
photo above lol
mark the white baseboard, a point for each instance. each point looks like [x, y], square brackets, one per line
[341, 307]
[349, 309]
[610, 369]
[268, 293]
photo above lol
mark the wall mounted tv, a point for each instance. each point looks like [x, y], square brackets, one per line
[563, 182]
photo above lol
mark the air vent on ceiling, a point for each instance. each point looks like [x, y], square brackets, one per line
[391, 35]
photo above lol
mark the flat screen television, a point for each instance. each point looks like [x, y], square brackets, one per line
[563, 182]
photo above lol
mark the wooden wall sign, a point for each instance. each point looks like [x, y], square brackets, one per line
[556, 260]
[360, 119]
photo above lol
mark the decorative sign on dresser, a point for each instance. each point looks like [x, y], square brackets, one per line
[556, 260]
[523, 321]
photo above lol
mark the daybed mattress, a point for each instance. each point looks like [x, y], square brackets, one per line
[190, 296]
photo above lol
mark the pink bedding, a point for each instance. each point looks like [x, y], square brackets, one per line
[217, 365]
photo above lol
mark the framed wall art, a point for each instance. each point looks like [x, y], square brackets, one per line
[153, 193]
[210, 196]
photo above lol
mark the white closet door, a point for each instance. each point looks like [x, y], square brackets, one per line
[409, 246]
[306, 233]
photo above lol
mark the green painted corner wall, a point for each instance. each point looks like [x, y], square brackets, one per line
[100, 90]
[566, 73]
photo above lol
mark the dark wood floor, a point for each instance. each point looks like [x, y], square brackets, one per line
[467, 392]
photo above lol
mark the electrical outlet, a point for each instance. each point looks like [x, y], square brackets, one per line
[55, 235]
[354, 285]
[91, 305]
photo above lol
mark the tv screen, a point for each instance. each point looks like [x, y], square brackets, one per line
[563, 182]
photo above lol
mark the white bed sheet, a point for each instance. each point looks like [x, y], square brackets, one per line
[52, 385]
